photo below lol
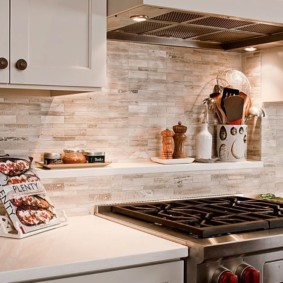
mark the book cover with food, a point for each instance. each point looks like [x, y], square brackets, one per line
[24, 196]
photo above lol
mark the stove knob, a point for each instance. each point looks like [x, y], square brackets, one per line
[248, 274]
[228, 277]
[224, 275]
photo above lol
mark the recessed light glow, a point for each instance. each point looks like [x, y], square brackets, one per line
[139, 18]
[250, 49]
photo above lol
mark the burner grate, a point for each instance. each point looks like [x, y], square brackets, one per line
[209, 217]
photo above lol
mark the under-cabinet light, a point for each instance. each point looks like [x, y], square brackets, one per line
[250, 49]
[139, 18]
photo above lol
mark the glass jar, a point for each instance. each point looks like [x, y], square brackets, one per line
[52, 158]
[71, 156]
[95, 157]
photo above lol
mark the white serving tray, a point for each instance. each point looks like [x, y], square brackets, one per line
[186, 160]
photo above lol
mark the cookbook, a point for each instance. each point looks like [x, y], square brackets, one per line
[23, 196]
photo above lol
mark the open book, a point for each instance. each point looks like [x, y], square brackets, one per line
[23, 196]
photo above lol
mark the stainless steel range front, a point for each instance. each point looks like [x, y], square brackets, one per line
[230, 239]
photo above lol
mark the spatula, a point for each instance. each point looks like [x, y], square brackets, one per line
[234, 107]
[227, 92]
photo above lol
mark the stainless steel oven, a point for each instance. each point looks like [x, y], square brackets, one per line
[230, 239]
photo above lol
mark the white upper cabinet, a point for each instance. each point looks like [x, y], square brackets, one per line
[4, 41]
[56, 44]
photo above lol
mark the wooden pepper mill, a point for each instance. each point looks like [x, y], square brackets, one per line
[179, 140]
[167, 144]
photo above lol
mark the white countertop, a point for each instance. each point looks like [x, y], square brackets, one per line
[86, 244]
[144, 168]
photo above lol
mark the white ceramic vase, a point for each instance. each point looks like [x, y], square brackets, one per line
[204, 143]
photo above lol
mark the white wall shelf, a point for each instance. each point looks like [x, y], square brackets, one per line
[144, 168]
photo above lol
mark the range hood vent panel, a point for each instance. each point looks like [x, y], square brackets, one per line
[262, 28]
[225, 37]
[188, 28]
[183, 31]
[177, 17]
[221, 22]
[143, 27]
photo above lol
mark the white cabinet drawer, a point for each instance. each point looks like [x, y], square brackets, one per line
[172, 272]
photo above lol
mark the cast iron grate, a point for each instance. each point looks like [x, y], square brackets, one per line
[210, 217]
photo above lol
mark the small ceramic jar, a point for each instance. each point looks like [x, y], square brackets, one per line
[52, 158]
[95, 157]
[72, 156]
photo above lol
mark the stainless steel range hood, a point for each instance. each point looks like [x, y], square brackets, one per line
[224, 25]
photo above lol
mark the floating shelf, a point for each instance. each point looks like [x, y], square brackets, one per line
[144, 168]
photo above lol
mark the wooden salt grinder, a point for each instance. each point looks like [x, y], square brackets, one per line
[167, 144]
[179, 139]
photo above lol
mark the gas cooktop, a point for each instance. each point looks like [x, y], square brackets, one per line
[208, 217]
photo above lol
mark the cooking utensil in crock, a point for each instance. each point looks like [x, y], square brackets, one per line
[217, 88]
[247, 105]
[227, 92]
[234, 106]
[220, 113]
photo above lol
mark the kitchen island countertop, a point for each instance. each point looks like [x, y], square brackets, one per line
[86, 244]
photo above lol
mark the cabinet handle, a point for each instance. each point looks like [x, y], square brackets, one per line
[3, 63]
[21, 64]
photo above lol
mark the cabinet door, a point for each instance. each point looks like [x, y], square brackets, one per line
[4, 39]
[62, 41]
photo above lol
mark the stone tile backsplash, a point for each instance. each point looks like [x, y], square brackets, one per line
[148, 88]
